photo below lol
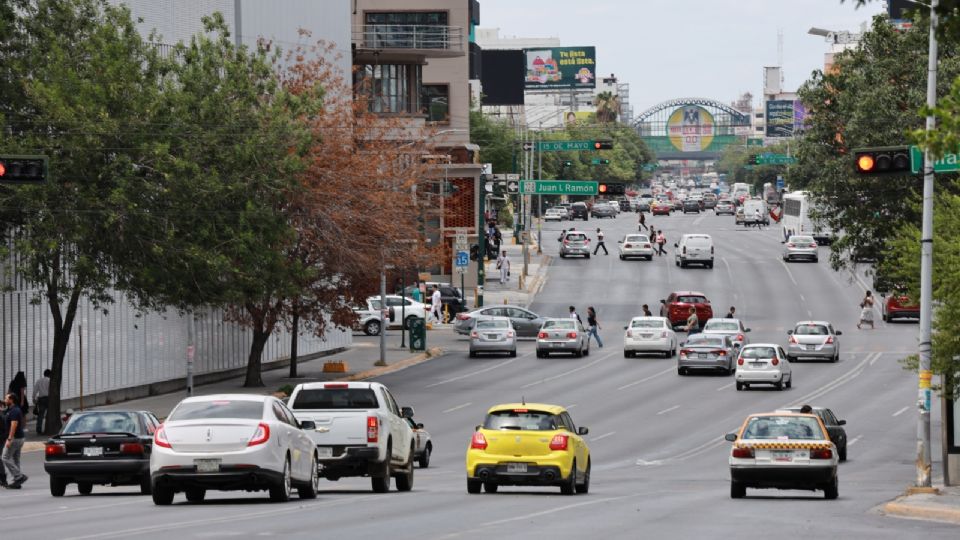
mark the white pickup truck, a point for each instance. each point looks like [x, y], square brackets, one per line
[360, 431]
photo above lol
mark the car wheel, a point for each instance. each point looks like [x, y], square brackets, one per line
[539, 354]
[710, 265]
[884, 317]
[681, 371]
[562, 256]
[667, 354]
[196, 495]
[791, 359]
[513, 353]
[381, 482]
[586, 352]
[372, 328]
[405, 479]
[842, 453]
[162, 496]
[85, 488]
[790, 381]
[585, 486]
[578, 353]
[836, 357]
[627, 354]
[737, 490]
[569, 486]
[472, 354]
[588, 255]
[779, 384]
[739, 386]
[621, 257]
[490, 487]
[58, 486]
[145, 484]
[473, 486]
[676, 262]
[816, 259]
[280, 492]
[832, 490]
[309, 491]
[424, 460]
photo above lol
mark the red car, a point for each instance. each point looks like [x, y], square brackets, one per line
[676, 307]
[899, 306]
[661, 208]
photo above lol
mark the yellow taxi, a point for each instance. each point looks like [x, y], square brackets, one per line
[528, 444]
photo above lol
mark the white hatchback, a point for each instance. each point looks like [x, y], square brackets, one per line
[232, 442]
[649, 334]
[763, 363]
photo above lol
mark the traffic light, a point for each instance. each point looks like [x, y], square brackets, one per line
[603, 145]
[568, 163]
[596, 161]
[754, 159]
[611, 189]
[23, 169]
[882, 161]
[474, 252]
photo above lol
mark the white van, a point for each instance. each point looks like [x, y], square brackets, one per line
[694, 249]
[750, 207]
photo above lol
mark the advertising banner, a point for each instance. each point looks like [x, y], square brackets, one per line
[690, 128]
[780, 118]
[560, 67]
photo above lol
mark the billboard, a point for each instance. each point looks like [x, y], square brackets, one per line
[560, 67]
[780, 119]
[501, 77]
[690, 128]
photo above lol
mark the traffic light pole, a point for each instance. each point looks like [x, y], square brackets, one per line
[481, 242]
[925, 374]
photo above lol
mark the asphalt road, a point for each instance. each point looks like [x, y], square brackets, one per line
[660, 464]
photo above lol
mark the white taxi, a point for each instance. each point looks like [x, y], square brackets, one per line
[782, 451]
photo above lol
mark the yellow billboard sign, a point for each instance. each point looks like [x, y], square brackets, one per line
[690, 128]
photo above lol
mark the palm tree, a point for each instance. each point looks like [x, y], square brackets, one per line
[608, 107]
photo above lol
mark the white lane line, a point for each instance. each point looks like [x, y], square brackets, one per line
[848, 376]
[600, 437]
[565, 373]
[571, 406]
[724, 387]
[803, 298]
[875, 358]
[645, 379]
[789, 273]
[457, 408]
[665, 411]
[854, 440]
[809, 314]
[472, 373]
[532, 515]
[901, 411]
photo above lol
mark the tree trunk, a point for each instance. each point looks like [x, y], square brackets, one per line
[63, 325]
[260, 337]
[295, 333]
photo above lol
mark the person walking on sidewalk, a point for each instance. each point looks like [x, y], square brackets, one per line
[594, 326]
[18, 387]
[503, 265]
[13, 444]
[600, 243]
[41, 398]
[436, 304]
[415, 293]
[643, 222]
[661, 241]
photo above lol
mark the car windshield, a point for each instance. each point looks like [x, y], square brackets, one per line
[562, 324]
[783, 427]
[521, 419]
[102, 422]
[493, 325]
[759, 352]
[646, 323]
[811, 330]
[218, 408]
[702, 340]
[335, 398]
[636, 238]
[691, 299]
[723, 326]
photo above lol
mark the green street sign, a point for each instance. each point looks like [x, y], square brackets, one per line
[559, 187]
[948, 163]
[775, 159]
[562, 146]
[754, 142]
[599, 161]
[650, 166]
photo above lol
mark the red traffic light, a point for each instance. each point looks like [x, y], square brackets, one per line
[602, 188]
[883, 161]
[3, 169]
[865, 163]
[603, 145]
[23, 169]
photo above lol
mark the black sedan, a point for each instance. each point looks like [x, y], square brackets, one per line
[838, 435]
[101, 447]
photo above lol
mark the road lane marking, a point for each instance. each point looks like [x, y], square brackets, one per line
[645, 379]
[853, 373]
[724, 387]
[541, 513]
[854, 440]
[601, 437]
[789, 273]
[901, 411]
[571, 406]
[565, 373]
[457, 408]
[803, 298]
[472, 373]
[67, 509]
[675, 407]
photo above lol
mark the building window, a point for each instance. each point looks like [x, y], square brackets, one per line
[407, 29]
[388, 88]
[435, 100]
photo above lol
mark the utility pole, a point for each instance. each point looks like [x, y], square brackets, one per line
[384, 314]
[925, 374]
[539, 196]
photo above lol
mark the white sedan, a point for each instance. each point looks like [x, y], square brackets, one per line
[232, 442]
[636, 245]
[649, 334]
[555, 214]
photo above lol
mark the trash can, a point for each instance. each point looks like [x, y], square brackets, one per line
[418, 334]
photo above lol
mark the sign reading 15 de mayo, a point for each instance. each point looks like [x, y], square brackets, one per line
[690, 128]
[560, 67]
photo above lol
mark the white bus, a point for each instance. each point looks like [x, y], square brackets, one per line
[795, 219]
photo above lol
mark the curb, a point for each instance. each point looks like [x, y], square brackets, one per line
[397, 366]
[930, 511]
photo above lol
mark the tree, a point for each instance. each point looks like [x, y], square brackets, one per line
[80, 87]
[608, 107]
[497, 141]
[736, 164]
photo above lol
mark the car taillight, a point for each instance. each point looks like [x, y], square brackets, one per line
[791, 244]
[160, 438]
[740, 361]
[542, 335]
[462, 317]
[740, 337]
[55, 449]
[510, 333]
[474, 334]
[131, 448]
[479, 442]
[628, 246]
[565, 241]
[821, 453]
[572, 335]
[775, 361]
[559, 442]
[373, 429]
[336, 386]
[720, 352]
[684, 352]
[793, 340]
[813, 244]
[684, 250]
[261, 435]
[629, 333]
[829, 340]
[742, 452]
[647, 246]
[711, 250]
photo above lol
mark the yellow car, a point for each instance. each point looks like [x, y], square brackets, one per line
[528, 444]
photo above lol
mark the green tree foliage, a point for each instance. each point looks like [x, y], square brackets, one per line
[627, 157]
[736, 164]
[496, 139]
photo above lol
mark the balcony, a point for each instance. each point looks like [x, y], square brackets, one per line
[406, 39]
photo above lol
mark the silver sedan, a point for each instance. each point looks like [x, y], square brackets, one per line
[713, 352]
[814, 339]
[801, 247]
[562, 336]
[493, 335]
[636, 245]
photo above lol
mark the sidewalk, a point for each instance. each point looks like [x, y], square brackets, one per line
[940, 504]
[514, 292]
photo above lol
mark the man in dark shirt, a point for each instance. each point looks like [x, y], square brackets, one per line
[13, 443]
[3, 439]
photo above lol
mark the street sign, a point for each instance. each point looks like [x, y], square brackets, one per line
[460, 239]
[513, 186]
[559, 187]
[780, 183]
[463, 259]
[775, 159]
[948, 163]
[513, 176]
[562, 146]
[527, 146]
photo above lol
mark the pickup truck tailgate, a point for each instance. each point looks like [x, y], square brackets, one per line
[337, 427]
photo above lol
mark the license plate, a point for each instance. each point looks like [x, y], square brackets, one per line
[495, 337]
[783, 456]
[811, 347]
[758, 364]
[516, 467]
[93, 451]
[646, 336]
[324, 452]
[702, 355]
[207, 465]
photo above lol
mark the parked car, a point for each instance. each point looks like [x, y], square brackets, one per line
[694, 249]
[360, 431]
[370, 320]
[562, 336]
[800, 247]
[450, 296]
[525, 322]
[232, 442]
[899, 306]
[814, 339]
[763, 363]
[649, 334]
[676, 307]
[713, 352]
[835, 429]
[101, 448]
[579, 210]
[493, 335]
[636, 245]
[575, 243]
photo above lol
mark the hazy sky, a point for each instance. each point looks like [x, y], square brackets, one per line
[685, 48]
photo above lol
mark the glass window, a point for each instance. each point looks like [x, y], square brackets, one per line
[783, 427]
[759, 352]
[692, 300]
[560, 324]
[220, 408]
[336, 398]
[811, 330]
[388, 88]
[521, 419]
[407, 29]
[646, 323]
[105, 422]
[636, 238]
[722, 325]
[705, 340]
[435, 100]
[391, 403]
[568, 422]
[491, 325]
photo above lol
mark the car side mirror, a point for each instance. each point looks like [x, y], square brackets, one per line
[626, 327]
[662, 301]
[841, 422]
[476, 427]
[583, 430]
[619, 241]
[789, 332]
[676, 244]
[730, 437]
[308, 425]
[406, 412]
[745, 330]
[420, 426]
[838, 332]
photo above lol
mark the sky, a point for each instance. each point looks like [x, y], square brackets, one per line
[669, 49]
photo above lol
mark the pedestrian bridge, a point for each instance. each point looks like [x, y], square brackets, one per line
[691, 128]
